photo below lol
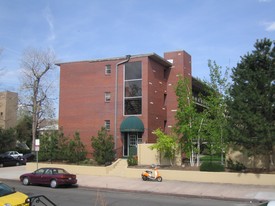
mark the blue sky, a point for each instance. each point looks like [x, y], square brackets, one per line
[220, 30]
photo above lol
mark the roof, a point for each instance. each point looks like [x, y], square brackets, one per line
[49, 128]
[153, 56]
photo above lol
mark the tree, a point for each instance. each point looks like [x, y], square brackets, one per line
[7, 139]
[103, 146]
[49, 147]
[251, 104]
[215, 119]
[36, 86]
[24, 129]
[75, 151]
[188, 119]
[167, 145]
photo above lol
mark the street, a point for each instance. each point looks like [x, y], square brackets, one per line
[71, 196]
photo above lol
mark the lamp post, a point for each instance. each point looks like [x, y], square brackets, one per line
[116, 91]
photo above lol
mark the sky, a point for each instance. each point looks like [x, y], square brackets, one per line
[219, 30]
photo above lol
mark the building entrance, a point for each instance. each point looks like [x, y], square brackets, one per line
[130, 142]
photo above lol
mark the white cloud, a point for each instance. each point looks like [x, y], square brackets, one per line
[270, 26]
[49, 18]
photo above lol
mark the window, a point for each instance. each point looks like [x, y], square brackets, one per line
[108, 69]
[107, 124]
[133, 88]
[133, 140]
[164, 99]
[107, 96]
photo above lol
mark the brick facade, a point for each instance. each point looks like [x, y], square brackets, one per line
[83, 85]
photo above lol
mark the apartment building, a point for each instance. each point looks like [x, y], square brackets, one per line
[131, 97]
[8, 109]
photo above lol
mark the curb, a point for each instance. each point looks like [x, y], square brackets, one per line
[176, 195]
[256, 201]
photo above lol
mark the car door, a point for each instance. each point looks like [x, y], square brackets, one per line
[36, 176]
[9, 161]
[47, 176]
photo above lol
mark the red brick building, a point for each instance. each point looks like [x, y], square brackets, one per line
[144, 100]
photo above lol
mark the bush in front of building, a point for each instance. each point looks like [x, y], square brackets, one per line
[54, 146]
[132, 160]
[103, 147]
[212, 167]
[76, 151]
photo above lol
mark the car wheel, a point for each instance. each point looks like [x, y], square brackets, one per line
[53, 184]
[26, 181]
[17, 163]
[1, 165]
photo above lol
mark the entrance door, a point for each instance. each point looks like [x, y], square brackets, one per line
[130, 143]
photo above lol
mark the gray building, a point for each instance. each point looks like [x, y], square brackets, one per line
[8, 109]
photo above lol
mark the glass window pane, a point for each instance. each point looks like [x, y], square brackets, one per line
[108, 69]
[133, 88]
[107, 124]
[132, 106]
[132, 140]
[132, 70]
[107, 96]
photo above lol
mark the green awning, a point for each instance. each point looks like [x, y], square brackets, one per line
[132, 124]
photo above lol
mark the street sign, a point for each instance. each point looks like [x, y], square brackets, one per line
[37, 144]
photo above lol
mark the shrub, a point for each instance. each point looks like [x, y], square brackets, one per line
[76, 151]
[235, 166]
[210, 158]
[103, 146]
[211, 167]
[132, 160]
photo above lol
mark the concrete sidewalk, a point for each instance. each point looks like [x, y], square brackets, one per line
[191, 189]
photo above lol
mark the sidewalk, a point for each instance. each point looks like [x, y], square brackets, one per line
[191, 189]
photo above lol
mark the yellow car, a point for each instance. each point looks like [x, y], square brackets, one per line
[10, 197]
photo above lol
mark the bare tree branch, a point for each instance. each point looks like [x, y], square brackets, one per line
[36, 67]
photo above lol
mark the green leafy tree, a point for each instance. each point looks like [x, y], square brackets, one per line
[215, 118]
[188, 119]
[75, 151]
[24, 130]
[49, 148]
[251, 104]
[62, 145]
[103, 146]
[7, 139]
[166, 145]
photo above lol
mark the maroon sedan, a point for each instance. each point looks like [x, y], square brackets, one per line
[49, 176]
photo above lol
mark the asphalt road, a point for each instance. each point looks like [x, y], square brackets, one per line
[72, 196]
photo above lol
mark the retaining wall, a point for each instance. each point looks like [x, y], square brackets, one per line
[191, 176]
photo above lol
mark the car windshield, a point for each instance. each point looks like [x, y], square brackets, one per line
[5, 190]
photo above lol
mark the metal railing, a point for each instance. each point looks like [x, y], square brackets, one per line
[39, 200]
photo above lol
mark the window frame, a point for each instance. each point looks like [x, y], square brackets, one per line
[106, 94]
[108, 69]
[134, 97]
[107, 124]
